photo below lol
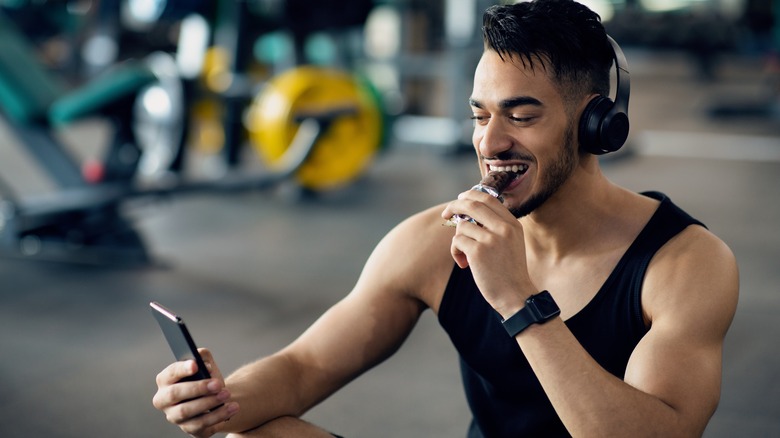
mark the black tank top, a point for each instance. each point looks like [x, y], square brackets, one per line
[504, 395]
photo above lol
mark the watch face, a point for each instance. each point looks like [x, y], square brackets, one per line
[545, 305]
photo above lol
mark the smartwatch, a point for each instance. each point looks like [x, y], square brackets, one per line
[538, 308]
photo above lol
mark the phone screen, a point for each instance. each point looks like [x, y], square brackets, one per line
[179, 339]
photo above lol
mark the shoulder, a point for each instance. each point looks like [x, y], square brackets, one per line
[694, 274]
[413, 259]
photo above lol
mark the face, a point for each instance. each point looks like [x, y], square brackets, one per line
[521, 123]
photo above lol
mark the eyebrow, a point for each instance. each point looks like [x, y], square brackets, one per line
[511, 102]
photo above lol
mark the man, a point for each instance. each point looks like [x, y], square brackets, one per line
[628, 340]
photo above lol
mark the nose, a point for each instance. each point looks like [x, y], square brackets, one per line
[492, 139]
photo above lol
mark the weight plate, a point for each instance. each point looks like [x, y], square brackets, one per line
[344, 149]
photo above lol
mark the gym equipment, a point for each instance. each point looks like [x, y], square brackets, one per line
[604, 124]
[79, 215]
[299, 90]
[83, 220]
[352, 141]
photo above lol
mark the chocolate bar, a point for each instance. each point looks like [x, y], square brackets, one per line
[494, 183]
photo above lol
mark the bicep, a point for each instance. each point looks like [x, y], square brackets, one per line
[684, 374]
[358, 332]
[374, 319]
[690, 296]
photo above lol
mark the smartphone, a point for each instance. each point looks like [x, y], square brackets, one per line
[179, 339]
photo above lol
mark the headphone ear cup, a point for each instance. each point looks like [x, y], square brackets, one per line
[590, 124]
[603, 128]
[604, 124]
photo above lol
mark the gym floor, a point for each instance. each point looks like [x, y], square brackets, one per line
[249, 272]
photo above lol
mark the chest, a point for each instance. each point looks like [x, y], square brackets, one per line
[608, 326]
[574, 282]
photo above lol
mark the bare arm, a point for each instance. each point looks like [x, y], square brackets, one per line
[354, 335]
[672, 383]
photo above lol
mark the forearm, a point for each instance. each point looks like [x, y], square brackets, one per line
[590, 401]
[265, 390]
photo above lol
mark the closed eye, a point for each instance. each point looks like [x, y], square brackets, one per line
[521, 119]
[479, 120]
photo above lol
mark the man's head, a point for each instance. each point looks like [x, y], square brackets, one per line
[562, 37]
[543, 61]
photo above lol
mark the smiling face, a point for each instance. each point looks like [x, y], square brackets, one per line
[522, 123]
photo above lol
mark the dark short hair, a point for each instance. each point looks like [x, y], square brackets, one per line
[562, 34]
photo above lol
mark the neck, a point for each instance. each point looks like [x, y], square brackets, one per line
[573, 219]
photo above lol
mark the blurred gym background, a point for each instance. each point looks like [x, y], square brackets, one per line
[238, 160]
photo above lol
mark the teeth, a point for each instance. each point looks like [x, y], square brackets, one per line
[517, 168]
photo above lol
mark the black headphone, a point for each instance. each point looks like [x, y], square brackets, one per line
[604, 124]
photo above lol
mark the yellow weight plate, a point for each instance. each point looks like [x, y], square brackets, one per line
[344, 150]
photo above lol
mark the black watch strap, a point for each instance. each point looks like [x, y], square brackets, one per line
[538, 308]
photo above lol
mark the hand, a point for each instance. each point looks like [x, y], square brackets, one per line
[194, 406]
[494, 248]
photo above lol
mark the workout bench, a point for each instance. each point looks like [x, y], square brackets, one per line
[81, 221]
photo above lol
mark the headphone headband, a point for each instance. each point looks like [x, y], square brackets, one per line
[623, 82]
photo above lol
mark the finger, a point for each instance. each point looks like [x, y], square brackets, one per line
[460, 257]
[457, 253]
[208, 424]
[448, 211]
[495, 204]
[195, 408]
[464, 243]
[211, 364]
[175, 394]
[462, 208]
[475, 205]
[455, 207]
[176, 371]
[477, 195]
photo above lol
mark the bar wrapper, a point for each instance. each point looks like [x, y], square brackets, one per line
[493, 184]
